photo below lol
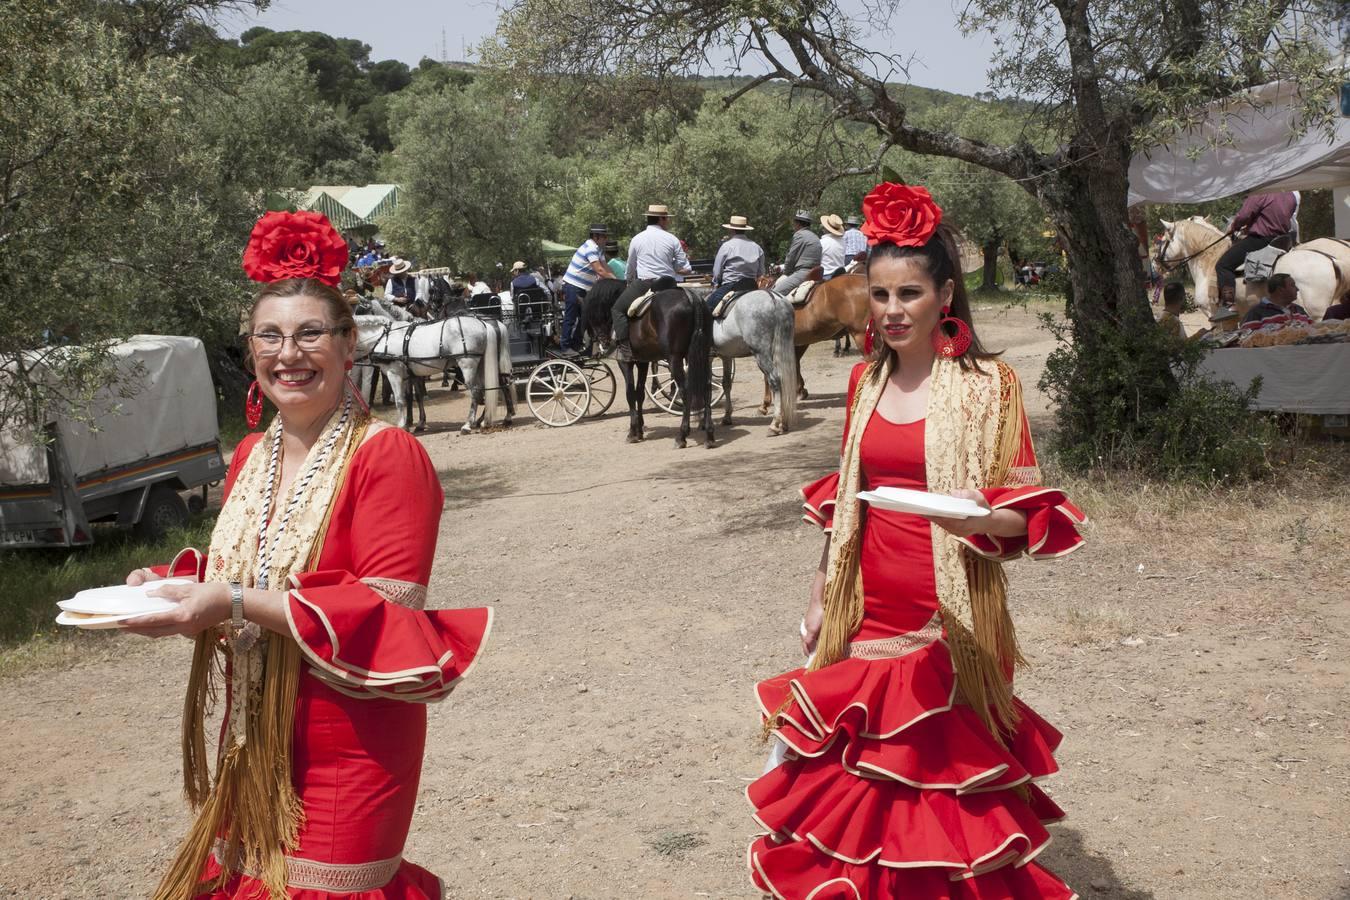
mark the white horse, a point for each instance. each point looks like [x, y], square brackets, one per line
[1320, 268]
[479, 348]
[760, 324]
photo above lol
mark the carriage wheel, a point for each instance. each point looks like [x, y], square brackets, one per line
[558, 392]
[604, 387]
[662, 390]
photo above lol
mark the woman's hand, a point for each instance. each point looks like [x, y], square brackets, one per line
[198, 607]
[142, 575]
[815, 614]
[999, 522]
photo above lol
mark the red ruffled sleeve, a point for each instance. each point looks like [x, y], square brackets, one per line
[818, 497]
[1052, 521]
[363, 631]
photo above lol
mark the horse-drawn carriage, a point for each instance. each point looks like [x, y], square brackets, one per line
[502, 348]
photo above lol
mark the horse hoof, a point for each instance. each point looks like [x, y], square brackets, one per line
[709, 444]
[634, 439]
[802, 394]
[681, 443]
[726, 421]
[774, 430]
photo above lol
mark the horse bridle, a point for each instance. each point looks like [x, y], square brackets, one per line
[1166, 240]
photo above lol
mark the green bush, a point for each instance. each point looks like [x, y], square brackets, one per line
[1108, 417]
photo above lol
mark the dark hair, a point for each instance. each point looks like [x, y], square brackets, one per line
[941, 261]
[1278, 281]
[654, 220]
[1175, 292]
[338, 309]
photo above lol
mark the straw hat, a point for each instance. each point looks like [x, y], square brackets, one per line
[853, 221]
[738, 223]
[400, 266]
[833, 224]
[517, 266]
[658, 209]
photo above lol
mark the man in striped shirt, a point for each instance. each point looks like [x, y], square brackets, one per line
[587, 265]
[855, 242]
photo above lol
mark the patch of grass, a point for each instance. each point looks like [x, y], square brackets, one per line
[32, 581]
[676, 843]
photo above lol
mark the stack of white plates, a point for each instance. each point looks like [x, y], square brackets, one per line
[922, 503]
[106, 607]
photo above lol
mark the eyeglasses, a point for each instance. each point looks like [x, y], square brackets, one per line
[269, 343]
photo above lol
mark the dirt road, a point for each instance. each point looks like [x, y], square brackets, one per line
[602, 748]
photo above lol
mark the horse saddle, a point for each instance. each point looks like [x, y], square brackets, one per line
[801, 294]
[1259, 265]
[639, 305]
[724, 305]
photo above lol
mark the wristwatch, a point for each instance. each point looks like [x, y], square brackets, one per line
[236, 607]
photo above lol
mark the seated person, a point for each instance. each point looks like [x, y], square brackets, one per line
[1174, 302]
[1278, 307]
[1338, 310]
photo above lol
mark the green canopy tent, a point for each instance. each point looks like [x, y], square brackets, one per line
[554, 250]
[352, 209]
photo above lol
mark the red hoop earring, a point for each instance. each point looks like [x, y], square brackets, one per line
[253, 405]
[869, 338]
[951, 337]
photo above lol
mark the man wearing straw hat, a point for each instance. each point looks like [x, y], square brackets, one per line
[739, 262]
[803, 254]
[587, 267]
[401, 288]
[832, 257]
[653, 254]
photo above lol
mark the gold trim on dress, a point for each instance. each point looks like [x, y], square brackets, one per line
[899, 645]
[404, 593]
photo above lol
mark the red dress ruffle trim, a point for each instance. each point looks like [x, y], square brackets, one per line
[410, 882]
[362, 645]
[818, 501]
[892, 790]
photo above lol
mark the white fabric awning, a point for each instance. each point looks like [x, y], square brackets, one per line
[1244, 148]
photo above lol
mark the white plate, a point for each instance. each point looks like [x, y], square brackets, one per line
[97, 622]
[121, 599]
[922, 503]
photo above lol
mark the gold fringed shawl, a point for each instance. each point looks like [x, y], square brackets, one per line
[972, 434]
[252, 806]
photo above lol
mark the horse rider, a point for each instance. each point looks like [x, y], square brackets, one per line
[587, 267]
[832, 255]
[803, 254]
[739, 263]
[855, 242]
[401, 288]
[653, 253]
[1263, 217]
[616, 265]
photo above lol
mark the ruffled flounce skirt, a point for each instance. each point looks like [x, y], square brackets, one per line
[890, 789]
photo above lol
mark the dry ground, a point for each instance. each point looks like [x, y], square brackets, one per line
[1194, 653]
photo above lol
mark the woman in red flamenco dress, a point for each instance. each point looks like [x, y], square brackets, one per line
[909, 766]
[310, 603]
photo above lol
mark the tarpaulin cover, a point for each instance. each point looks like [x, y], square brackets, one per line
[1312, 379]
[174, 408]
[1243, 148]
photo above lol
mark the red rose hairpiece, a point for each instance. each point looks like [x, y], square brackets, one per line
[899, 214]
[300, 244]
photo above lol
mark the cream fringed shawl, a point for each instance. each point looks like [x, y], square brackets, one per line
[252, 805]
[972, 433]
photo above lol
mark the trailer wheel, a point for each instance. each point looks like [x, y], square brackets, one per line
[164, 511]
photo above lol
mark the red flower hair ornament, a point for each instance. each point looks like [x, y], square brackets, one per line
[300, 244]
[899, 214]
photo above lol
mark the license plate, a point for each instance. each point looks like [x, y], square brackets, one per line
[18, 537]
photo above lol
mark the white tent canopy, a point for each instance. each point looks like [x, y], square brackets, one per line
[1244, 148]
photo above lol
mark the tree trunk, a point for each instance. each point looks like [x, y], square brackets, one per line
[990, 282]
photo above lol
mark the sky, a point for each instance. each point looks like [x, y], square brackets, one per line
[411, 29]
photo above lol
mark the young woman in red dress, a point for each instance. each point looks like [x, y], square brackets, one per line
[909, 765]
[310, 602]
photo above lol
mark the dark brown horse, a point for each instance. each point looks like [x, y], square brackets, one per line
[675, 329]
[835, 307]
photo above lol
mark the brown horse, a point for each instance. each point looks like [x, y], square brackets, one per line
[834, 307]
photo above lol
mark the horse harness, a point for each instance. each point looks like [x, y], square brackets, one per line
[378, 355]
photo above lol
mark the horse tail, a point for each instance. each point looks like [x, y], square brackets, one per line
[699, 363]
[490, 363]
[785, 360]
